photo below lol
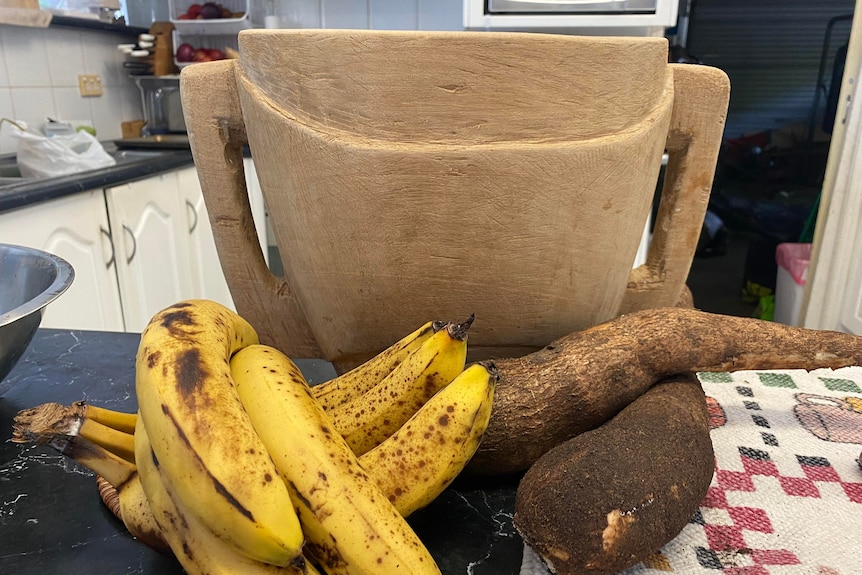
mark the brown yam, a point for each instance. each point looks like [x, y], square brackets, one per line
[608, 498]
[583, 379]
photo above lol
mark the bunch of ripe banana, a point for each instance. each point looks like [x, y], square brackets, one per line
[236, 465]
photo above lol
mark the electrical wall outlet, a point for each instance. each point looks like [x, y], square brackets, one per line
[89, 84]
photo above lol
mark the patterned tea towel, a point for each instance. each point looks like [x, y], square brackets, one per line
[786, 496]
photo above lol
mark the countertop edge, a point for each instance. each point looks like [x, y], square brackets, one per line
[31, 192]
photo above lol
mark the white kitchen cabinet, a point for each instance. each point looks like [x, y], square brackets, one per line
[136, 248]
[152, 247]
[207, 277]
[75, 228]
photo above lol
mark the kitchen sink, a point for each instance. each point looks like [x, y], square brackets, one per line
[127, 156]
[9, 172]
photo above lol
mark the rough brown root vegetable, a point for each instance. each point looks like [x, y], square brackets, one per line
[686, 299]
[583, 379]
[608, 498]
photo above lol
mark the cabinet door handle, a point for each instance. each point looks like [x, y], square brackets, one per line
[134, 243]
[194, 212]
[107, 234]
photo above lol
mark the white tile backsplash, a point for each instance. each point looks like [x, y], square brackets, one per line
[102, 57]
[107, 112]
[133, 107]
[71, 105]
[39, 71]
[26, 56]
[4, 75]
[33, 105]
[346, 14]
[39, 67]
[66, 56]
[440, 15]
[393, 14]
[301, 13]
[7, 143]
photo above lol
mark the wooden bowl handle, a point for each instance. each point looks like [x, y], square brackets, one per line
[217, 134]
[701, 95]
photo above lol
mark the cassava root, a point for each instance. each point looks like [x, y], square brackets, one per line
[583, 379]
[608, 498]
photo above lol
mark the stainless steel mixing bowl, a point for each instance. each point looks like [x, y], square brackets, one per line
[29, 280]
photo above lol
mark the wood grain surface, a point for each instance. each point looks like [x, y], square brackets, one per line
[411, 176]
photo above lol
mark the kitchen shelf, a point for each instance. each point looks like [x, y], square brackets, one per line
[210, 33]
[210, 41]
[213, 26]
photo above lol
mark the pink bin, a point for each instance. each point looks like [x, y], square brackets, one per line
[792, 259]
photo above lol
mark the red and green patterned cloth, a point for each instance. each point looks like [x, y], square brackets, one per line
[786, 496]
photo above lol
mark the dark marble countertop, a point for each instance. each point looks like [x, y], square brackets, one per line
[53, 521]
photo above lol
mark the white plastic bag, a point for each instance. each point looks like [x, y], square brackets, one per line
[47, 157]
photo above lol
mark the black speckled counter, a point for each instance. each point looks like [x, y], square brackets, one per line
[53, 521]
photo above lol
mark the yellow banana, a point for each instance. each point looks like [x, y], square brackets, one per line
[119, 472]
[117, 442]
[210, 456]
[114, 419]
[199, 546]
[351, 528]
[415, 464]
[369, 419]
[133, 508]
[411, 469]
[123, 475]
[347, 386]
[195, 546]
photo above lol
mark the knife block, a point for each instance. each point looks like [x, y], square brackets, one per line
[163, 49]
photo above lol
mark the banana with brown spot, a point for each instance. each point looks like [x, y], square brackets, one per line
[352, 384]
[351, 527]
[210, 455]
[368, 420]
[195, 546]
[414, 465]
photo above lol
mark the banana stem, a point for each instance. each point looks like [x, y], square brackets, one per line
[61, 427]
[43, 423]
[459, 330]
